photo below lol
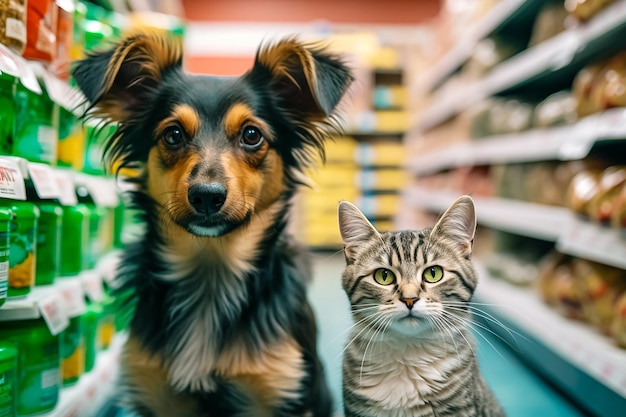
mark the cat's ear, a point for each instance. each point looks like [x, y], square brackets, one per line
[355, 229]
[458, 225]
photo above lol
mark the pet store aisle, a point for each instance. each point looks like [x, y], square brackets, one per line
[521, 392]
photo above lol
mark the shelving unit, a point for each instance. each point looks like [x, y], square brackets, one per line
[574, 356]
[502, 13]
[584, 363]
[569, 142]
[572, 235]
[566, 51]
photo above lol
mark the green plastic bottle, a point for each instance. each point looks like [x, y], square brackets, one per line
[7, 114]
[91, 332]
[36, 131]
[39, 365]
[8, 379]
[23, 249]
[49, 232]
[75, 241]
[73, 351]
[5, 243]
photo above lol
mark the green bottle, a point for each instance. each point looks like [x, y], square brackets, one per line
[23, 247]
[8, 379]
[5, 243]
[73, 351]
[7, 114]
[38, 364]
[75, 232]
[49, 231]
[36, 129]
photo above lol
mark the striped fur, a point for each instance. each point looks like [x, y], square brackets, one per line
[410, 352]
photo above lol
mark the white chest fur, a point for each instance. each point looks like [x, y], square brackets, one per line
[401, 375]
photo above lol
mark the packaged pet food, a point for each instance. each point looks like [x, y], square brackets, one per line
[39, 379]
[73, 351]
[13, 24]
[618, 217]
[41, 29]
[599, 287]
[8, 379]
[5, 243]
[610, 184]
[64, 38]
[23, 248]
[618, 327]
[584, 10]
[7, 113]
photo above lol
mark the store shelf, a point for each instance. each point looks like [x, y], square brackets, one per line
[585, 364]
[563, 143]
[526, 219]
[566, 49]
[92, 390]
[500, 14]
[572, 235]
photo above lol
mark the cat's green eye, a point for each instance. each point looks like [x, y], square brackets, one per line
[384, 276]
[433, 274]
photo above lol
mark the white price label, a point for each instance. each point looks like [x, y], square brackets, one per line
[53, 313]
[44, 180]
[8, 62]
[73, 297]
[67, 191]
[92, 285]
[27, 76]
[102, 190]
[11, 180]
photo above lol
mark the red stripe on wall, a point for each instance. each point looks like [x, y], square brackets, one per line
[218, 65]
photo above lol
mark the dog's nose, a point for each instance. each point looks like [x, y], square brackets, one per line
[207, 198]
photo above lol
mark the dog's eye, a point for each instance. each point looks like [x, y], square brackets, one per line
[173, 136]
[251, 137]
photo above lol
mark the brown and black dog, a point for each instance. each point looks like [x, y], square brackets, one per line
[221, 324]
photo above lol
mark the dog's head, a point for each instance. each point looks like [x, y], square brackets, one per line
[213, 151]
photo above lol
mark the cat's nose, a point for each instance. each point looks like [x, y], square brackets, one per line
[409, 301]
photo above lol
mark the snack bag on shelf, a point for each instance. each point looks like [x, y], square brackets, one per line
[550, 22]
[584, 10]
[13, 25]
[618, 216]
[557, 285]
[599, 287]
[610, 184]
[41, 29]
[618, 326]
[582, 88]
[558, 109]
[582, 190]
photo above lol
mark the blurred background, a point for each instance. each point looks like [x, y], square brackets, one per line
[519, 103]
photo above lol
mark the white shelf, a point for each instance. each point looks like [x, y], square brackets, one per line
[563, 143]
[92, 390]
[577, 344]
[451, 61]
[572, 235]
[554, 54]
[527, 219]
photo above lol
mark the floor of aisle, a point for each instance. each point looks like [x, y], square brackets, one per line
[520, 391]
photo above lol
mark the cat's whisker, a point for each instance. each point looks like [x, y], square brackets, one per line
[489, 318]
[437, 321]
[374, 317]
[476, 326]
[383, 319]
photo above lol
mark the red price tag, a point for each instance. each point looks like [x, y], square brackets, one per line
[92, 285]
[73, 297]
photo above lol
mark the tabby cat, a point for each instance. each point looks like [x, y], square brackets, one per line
[410, 352]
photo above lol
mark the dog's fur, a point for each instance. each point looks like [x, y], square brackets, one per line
[222, 326]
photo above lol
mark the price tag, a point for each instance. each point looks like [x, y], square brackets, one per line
[73, 297]
[65, 184]
[92, 285]
[44, 180]
[11, 180]
[8, 62]
[27, 76]
[53, 313]
[102, 190]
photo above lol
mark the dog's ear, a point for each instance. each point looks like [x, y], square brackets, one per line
[115, 81]
[307, 81]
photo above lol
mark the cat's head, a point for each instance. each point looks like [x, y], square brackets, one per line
[410, 281]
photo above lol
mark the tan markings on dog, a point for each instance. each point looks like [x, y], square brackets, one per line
[273, 183]
[240, 115]
[148, 382]
[273, 374]
[148, 54]
[184, 115]
[168, 187]
[244, 182]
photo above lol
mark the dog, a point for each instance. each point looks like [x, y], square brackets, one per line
[221, 323]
